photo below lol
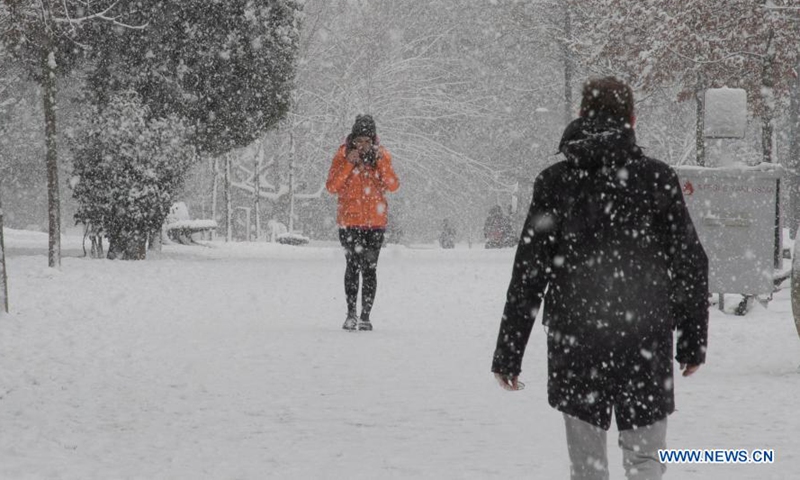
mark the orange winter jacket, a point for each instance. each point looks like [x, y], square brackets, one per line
[360, 189]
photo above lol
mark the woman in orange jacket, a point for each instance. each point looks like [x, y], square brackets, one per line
[360, 174]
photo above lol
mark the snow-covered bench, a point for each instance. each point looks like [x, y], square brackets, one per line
[295, 239]
[280, 234]
[179, 227]
[181, 231]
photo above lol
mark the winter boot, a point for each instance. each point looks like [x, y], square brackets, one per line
[364, 323]
[350, 322]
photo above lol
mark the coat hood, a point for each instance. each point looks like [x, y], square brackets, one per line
[590, 144]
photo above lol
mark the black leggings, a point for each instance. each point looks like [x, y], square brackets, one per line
[362, 246]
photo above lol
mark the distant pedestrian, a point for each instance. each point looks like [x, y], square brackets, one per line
[447, 239]
[609, 246]
[360, 174]
[497, 229]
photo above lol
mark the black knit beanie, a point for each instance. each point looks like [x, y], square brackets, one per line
[364, 126]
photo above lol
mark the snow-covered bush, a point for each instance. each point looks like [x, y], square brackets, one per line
[226, 67]
[127, 169]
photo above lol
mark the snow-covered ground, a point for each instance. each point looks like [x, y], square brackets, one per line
[228, 362]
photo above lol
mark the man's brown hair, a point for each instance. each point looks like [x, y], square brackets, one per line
[609, 97]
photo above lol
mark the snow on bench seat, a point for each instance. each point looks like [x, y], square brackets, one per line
[181, 230]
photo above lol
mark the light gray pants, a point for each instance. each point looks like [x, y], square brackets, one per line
[587, 450]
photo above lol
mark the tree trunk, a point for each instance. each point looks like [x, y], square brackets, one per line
[228, 208]
[137, 246]
[568, 65]
[291, 182]
[96, 239]
[767, 135]
[115, 247]
[793, 162]
[214, 187]
[257, 193]
[127, 246]
[131, 246]
[768, 102]
[97, 246]
[53, 201]
[3, 277]
[700, 135]
[795, 290]
[155, 243]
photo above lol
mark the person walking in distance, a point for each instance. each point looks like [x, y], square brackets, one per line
[360, 175]
[609, 247]
[447, 239]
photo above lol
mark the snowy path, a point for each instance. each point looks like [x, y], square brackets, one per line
[229, 363]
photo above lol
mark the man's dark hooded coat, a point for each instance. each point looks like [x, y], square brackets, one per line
[609, 246]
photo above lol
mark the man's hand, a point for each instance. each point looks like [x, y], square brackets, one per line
[689, 369]
[354, 156]
[509, 382]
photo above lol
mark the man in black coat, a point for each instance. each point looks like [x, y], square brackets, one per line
[609, 246]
